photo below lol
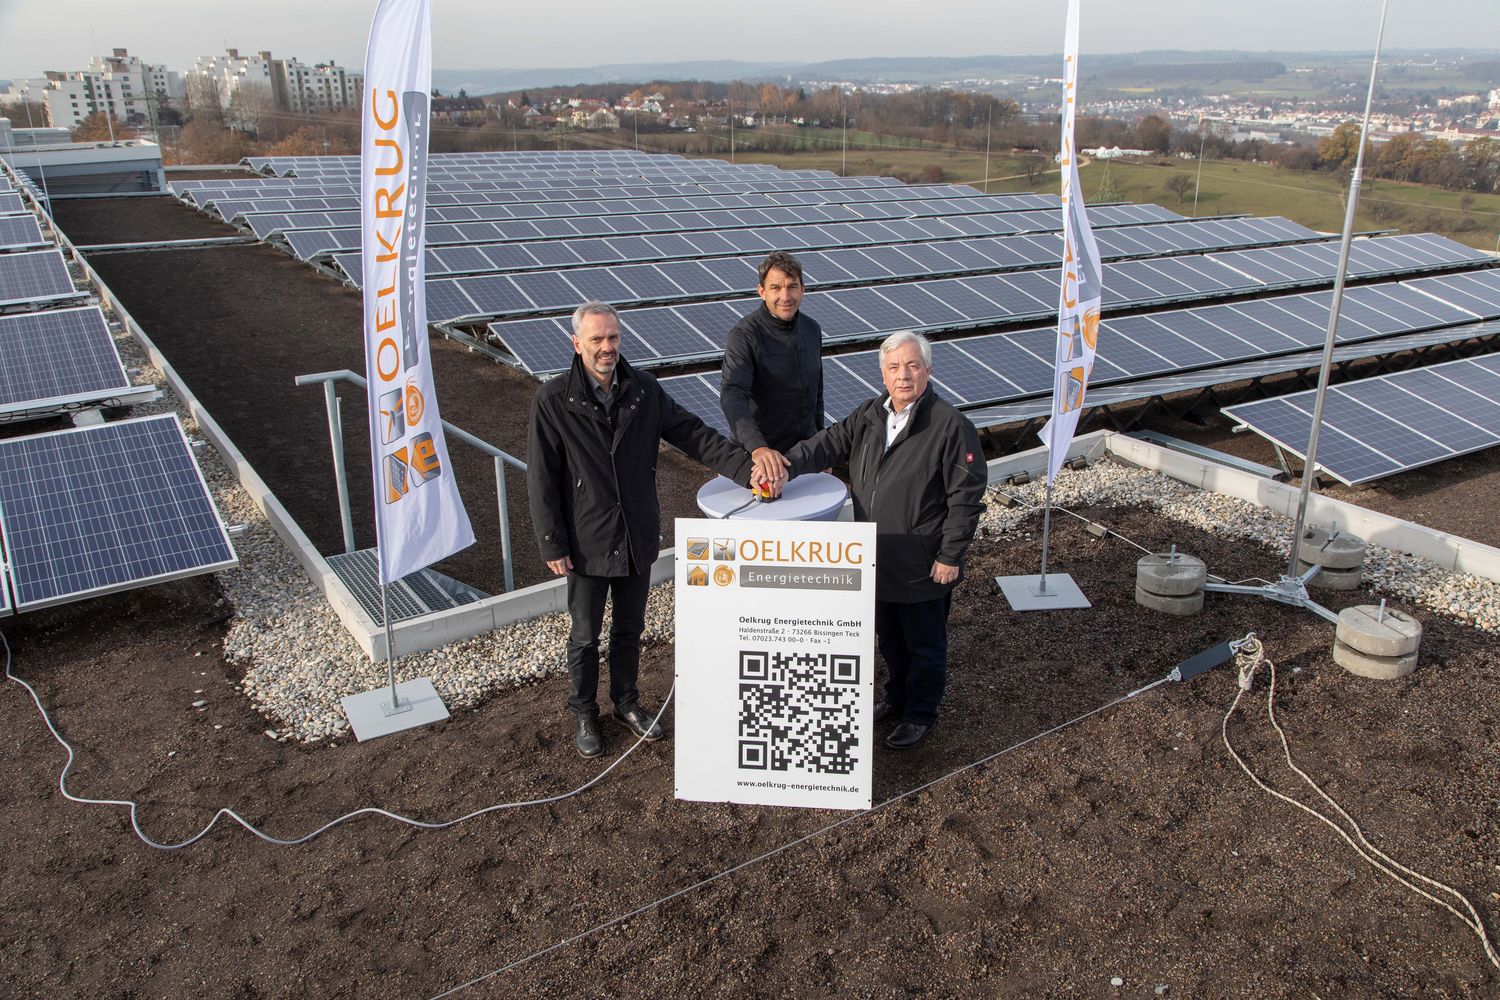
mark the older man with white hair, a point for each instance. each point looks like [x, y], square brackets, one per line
[918, 472]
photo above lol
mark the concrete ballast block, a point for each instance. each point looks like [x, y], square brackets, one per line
[1173, 574]
[1181, 605]
[1366, 629]
[1380, 668]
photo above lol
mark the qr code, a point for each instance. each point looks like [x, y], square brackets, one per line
[798, 710]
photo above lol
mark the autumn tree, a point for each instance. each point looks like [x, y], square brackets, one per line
[24, 113]
[1341, 148]
[96, 128]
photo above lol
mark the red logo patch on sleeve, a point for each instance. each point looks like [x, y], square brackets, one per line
[968, 456]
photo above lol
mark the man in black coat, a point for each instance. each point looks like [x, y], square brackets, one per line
[918, 473]
[771, 379]
[591, 474]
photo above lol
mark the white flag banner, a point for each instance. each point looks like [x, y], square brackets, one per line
[1082, 279]
[419, 516]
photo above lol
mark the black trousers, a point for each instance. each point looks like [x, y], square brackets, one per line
[586, 607]
[913, 640]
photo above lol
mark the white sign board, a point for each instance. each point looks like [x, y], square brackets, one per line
[775, 662]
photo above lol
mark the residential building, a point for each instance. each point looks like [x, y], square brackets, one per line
[226, 74]
[119, 84]
[459, 111]
[299, 87]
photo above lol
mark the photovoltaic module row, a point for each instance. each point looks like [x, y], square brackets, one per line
[21, 232]
[57, 357]
[270, 224]
[1206, 378]
[499, 178]
[37, 278]
[11, 204]
[306, 244]
[96, 509]
[233, 209]
[500, 296]
[675, 334]
[1377, 427]
[526, 256]
[996, 368]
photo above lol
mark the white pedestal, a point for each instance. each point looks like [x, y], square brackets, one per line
[371, 714]
[1025, 594]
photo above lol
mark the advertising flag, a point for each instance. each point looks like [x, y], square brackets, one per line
[419, 516]
[1082, 279]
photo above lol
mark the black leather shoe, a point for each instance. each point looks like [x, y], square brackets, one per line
[884, 710]
[907, 735]
[640, 723]
[590, 743]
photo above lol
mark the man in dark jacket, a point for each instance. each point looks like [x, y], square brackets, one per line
[771, 380]
[591, 473]
[919, 474]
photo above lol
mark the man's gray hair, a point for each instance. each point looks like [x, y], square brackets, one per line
[592, 309]
[901, 339]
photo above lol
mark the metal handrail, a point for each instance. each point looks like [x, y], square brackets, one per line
[332, 404]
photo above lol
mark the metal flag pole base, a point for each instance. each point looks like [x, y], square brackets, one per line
[1043, 591]
[398, 707]
[1290, 590]
[1052, 592]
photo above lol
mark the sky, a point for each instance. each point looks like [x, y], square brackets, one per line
[37, 35]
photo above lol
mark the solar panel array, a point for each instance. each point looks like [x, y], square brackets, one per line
[517, 241]
[995, 368]
[96, 509]
[11, 204]
[1377, 427]
[674, 334]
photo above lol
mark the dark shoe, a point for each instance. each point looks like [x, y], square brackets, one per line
[884, 710]
[907, 735]
[590, 743]
[638, 722]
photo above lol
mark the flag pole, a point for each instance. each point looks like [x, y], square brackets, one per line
[1309, 465]
[397, 705]
[1079, 295]
[1292, 587]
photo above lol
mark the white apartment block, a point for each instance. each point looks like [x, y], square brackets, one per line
[227, 73]
[320, 87]
[119, 84]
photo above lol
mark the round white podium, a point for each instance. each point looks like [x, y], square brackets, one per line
[817, 496]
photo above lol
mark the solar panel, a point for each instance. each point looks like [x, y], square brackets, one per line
[1377, 427]
[11, 204]
[56, 356]
[35, 278]
[19, 232]
[107, 507]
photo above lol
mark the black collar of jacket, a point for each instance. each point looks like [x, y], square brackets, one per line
[581, 396]
[879, 414]
[784, 325]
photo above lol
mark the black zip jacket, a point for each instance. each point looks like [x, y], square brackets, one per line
[924, 494]
[771, 381]
[592, 483]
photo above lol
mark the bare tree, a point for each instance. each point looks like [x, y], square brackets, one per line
[249, 102]
[205, 97]
[1180, 185]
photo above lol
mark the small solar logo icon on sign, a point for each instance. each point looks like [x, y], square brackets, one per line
[395, 476]
[392, 417]
[723, 576]
[697, 577]
[723, 549]
[697, 548]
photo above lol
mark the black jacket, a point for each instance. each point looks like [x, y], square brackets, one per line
[771, 381]
[924, 494]
[593, 484]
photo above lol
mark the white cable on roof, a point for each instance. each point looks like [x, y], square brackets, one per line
[1251, 654]
[227, 813]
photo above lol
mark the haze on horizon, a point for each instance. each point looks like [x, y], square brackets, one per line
[472, 34]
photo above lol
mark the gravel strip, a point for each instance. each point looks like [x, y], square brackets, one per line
[299, 660]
